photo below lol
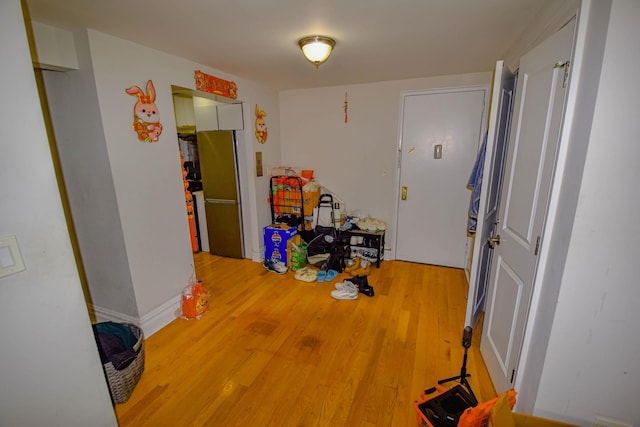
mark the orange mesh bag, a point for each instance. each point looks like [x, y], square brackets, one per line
[479, 414]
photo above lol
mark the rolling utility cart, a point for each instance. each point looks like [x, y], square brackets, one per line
[287, 203]
[326, 208]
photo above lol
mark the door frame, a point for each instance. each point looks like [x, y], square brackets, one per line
[244, 153]
[548, 117]
[483, 128]
[584, 75]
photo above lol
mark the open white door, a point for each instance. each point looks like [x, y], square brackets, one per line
[533, 140]
[495, 156]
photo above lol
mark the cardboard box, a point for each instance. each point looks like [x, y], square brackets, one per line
[310, 201]
[501, 415]
[524, 420]
[277, 244]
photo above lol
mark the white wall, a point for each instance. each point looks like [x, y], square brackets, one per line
[592, 365]
[80, 141]
[356, 160]
[50, 369]
[146, 177]
[55, 48]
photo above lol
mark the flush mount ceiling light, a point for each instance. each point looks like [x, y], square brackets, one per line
[316, 48]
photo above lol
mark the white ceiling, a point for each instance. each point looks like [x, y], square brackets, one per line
[377, 40]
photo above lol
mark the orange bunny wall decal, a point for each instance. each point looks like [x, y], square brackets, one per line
[146, 117]
[261, 125]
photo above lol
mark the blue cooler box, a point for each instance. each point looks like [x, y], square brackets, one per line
[276, 239]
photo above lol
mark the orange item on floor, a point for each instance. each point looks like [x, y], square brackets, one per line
[478, 415]
[198, 288]
[194, 301]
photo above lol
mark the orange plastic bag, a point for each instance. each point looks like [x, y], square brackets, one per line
[195, 301]
[479, 415]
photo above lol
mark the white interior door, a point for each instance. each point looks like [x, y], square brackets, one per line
[440, 135]
[533, 141]
[493, 170]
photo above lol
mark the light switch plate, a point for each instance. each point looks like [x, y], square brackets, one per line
[437, 151]
[10, 258]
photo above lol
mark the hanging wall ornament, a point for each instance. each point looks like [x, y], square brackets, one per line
[261, 125]
[146, 117]
[346, 108]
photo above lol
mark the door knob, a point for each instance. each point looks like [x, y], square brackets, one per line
[493, 241]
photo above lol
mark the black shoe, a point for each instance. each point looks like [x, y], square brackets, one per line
[363, 285]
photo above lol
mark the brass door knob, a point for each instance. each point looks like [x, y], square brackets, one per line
[493, 241]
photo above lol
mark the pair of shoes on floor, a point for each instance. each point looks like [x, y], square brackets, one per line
[345, 290]
[326, 276]
[275, 266]
[307, 274]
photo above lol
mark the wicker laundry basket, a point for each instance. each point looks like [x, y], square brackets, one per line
[121, 383]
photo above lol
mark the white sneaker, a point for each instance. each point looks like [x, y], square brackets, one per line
[277, 267]
[345, 290]
[346, 286]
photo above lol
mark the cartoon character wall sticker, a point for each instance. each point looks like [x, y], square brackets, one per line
[146, 117]
[261, 125]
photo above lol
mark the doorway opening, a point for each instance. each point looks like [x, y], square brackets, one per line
[206, 133]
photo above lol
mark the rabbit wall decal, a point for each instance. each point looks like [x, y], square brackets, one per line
[261, 125]
[146, 117]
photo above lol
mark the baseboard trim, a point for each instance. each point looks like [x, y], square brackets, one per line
[258, 256]
[102, 314]
[150, 323]
[161, 316]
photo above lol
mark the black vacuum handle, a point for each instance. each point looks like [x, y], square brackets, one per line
[466, 336]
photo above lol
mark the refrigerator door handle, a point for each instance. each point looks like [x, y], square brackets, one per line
[222, 201]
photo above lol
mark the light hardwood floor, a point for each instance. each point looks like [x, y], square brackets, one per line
[274, 351]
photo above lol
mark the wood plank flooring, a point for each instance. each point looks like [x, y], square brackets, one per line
[274, 351]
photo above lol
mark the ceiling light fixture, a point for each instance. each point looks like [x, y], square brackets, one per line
[316, 48]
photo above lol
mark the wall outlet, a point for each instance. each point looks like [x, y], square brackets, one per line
[609, 422]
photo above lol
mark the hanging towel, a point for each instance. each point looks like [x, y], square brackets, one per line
[475, 185]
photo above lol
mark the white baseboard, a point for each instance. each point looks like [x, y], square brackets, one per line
[161, 316]
[150, 323]
[258, 256]
[105, 315]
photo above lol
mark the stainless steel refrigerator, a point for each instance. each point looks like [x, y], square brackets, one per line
[219, 170]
